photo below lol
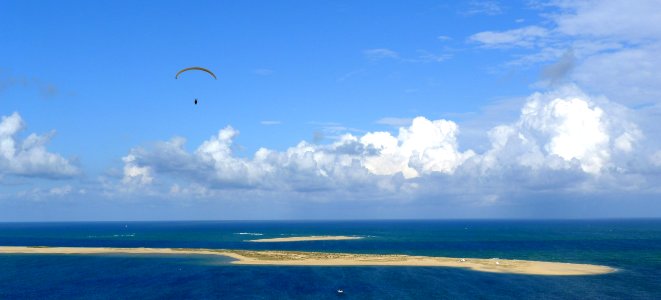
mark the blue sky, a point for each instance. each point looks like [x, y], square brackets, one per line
[514, 104]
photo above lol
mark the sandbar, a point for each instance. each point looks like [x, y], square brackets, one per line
[307, 238]
[297, 258]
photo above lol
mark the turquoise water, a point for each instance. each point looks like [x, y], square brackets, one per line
[632, 246]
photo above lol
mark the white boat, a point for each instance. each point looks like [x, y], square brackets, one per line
[340, 291]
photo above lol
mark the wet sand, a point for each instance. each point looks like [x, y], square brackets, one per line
[295, 258]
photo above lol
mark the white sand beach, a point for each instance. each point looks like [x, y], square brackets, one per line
[296, 258]
[307, 238]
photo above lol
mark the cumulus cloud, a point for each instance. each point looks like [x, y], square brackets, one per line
[134, 174]
[423, 147]
[29, 157]
[562, 129]
[563, 139]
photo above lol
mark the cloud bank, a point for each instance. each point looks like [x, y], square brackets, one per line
[563, 140]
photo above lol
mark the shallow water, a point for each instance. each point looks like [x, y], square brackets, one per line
[632, 246]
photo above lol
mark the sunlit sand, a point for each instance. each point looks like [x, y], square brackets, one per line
[295, 258]
[308, 238]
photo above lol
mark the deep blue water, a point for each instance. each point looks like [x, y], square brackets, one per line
[632, 246]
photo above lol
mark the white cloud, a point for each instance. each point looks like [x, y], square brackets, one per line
[614, 46]
[490, 8]
[656, 158]
[629, 75]
[42, 193]
[423, 56]
[555, 73]
[29, 157]
[380, 53]
[426, 146]
[562, 140]
[217, 154]
[521, 37]
[565, 125]
[423, 147]
[623, 20]
[60, 190]
[625, 142]
[134, 174]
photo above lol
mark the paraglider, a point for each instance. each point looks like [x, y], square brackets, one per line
[195, 68]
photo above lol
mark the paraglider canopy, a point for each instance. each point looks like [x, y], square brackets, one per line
[195, 68]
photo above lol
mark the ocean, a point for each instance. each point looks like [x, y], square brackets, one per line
[633, 246]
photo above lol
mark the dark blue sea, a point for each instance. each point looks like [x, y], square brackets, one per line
[631, 246]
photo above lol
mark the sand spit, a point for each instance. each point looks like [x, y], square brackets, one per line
[307, 238]
[295, 258]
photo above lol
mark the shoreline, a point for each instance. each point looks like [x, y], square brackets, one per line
[307, 238]
[297, 258]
